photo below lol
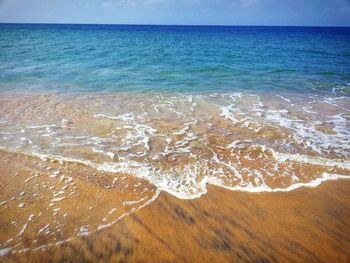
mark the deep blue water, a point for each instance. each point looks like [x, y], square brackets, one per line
[114, 58]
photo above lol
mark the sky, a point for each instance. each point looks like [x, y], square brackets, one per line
[179, 12]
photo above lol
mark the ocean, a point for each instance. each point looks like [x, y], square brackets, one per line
[171, 108]
[116, 58]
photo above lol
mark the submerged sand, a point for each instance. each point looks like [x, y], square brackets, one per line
[174, 177]
[304, 225]
[179, 143]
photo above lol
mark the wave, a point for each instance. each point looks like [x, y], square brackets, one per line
[168, 182]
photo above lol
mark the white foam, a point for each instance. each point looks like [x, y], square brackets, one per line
[151, 200]
[57, 199]
[130, 203]
[32, 177]
[44, 229]
[23, 229]
[305, 132]
[316, 160]
[4, 251]
[193, 188]
[84, 230]
[112, 211]
[313, 183]
[283, 98]
[31, 216]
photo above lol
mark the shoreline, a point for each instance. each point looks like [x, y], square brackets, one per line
[180, 144]
[304, 225]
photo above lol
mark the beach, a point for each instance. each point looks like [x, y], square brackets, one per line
[193, 178]
[305, 225]
[174, 143]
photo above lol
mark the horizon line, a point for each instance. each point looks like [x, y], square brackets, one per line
[184, 25]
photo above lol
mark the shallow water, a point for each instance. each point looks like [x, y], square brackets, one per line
[181, 142]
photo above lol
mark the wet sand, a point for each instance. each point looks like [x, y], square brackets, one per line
[304, 225]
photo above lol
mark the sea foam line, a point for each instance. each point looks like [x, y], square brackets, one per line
[306, 159]
[143, 171]
[260, 189]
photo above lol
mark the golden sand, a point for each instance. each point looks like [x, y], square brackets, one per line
[305, 225]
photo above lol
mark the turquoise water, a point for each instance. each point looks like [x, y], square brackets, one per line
[106, 58]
